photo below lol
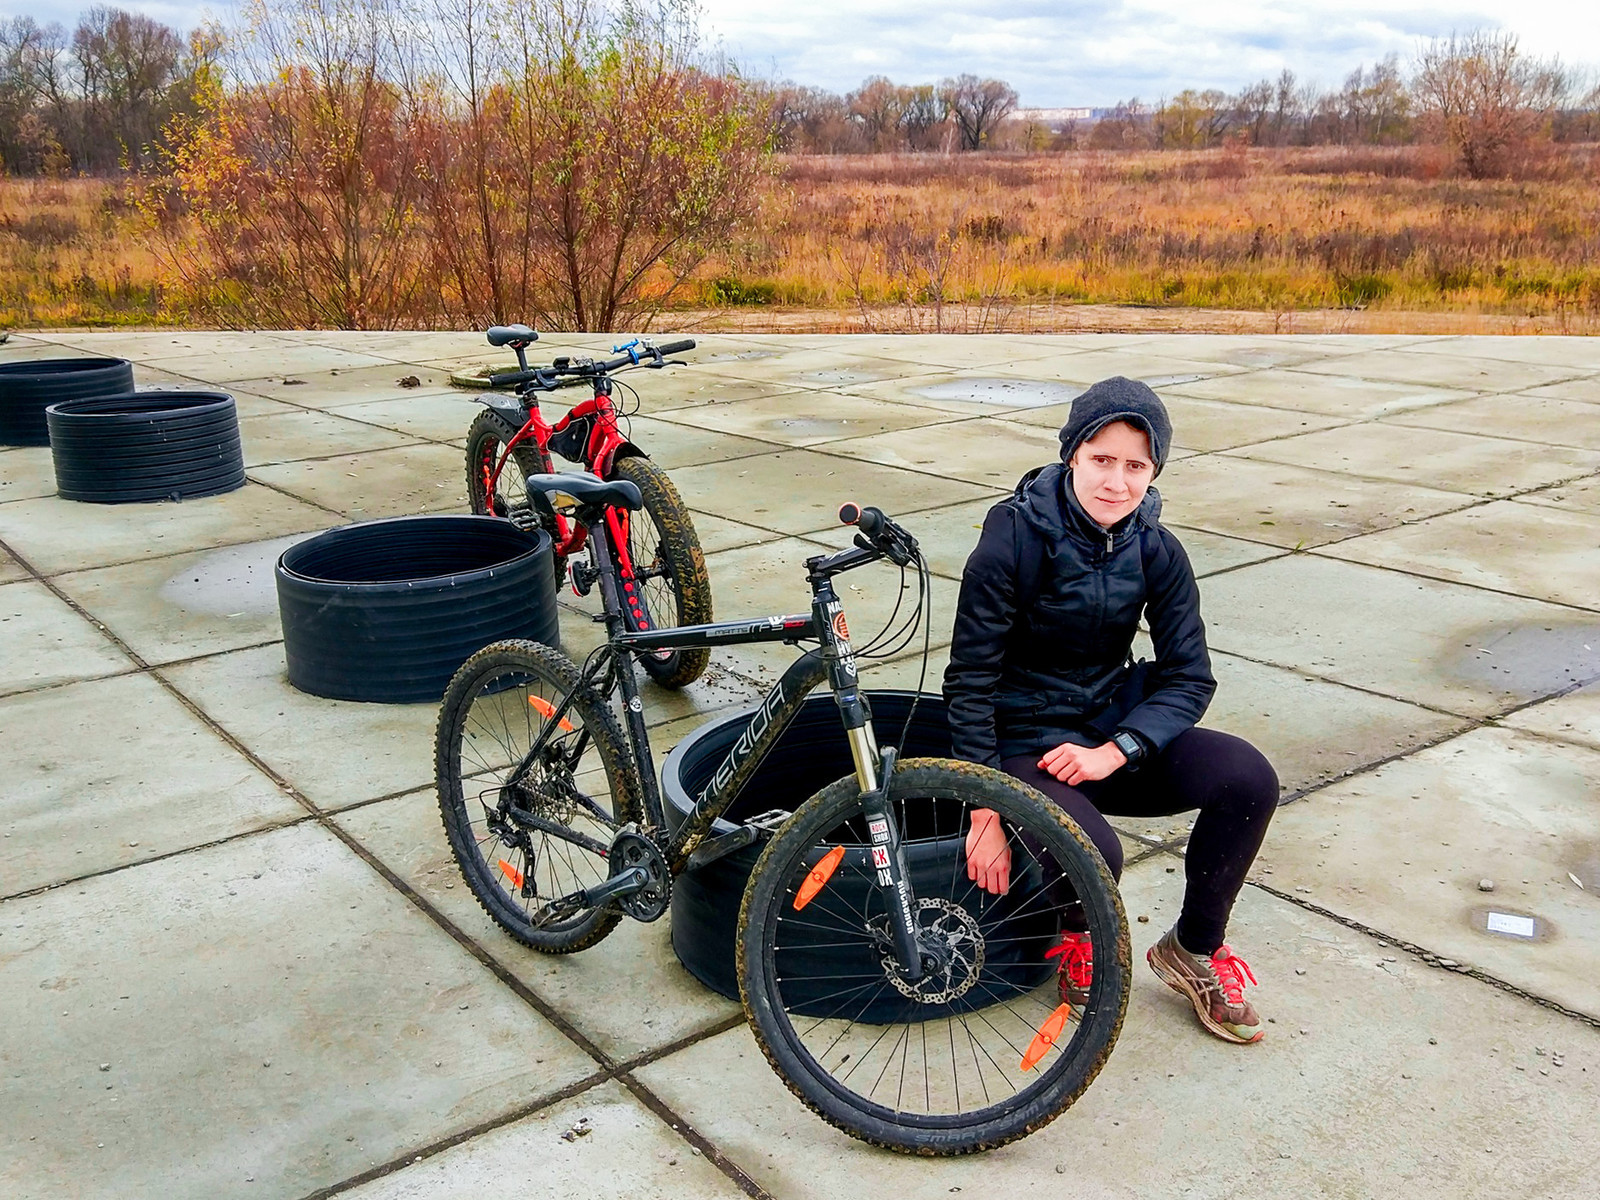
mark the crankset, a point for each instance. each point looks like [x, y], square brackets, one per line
[632, 853]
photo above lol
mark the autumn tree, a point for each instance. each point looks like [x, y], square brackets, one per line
[622, 156]
[1486, 98]
[299, 183]
[879, 107]
[978, 107]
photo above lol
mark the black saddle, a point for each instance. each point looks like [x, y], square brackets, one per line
[516, 336]
[585, 491]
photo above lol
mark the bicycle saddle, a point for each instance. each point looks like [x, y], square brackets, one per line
[510, 335]
[572, 488]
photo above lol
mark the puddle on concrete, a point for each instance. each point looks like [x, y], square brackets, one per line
[1015, 393]
[1514, 925]
[235, 581]
[1528, 661]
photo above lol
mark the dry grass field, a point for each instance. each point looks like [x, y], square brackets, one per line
[1370, 239]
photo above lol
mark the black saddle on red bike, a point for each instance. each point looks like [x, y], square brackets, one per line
[570, 489]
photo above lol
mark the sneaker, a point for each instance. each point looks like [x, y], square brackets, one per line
[1076, 969]
[1213, 984]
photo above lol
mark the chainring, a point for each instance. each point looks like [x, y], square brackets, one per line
[628, 850]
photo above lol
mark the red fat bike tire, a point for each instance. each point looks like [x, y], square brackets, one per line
[487, 438]
[676, 590]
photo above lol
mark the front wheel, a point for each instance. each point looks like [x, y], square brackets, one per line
[982, 1049]
[669, 572]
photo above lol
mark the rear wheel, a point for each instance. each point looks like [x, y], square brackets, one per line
[669, 571]
[936, 1065]
[487, 439]
[498, 708]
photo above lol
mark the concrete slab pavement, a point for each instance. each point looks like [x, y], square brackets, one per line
[1418, 657]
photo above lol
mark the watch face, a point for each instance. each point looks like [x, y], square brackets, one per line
[1127, 743]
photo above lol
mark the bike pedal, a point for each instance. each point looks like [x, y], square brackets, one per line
[771, 820]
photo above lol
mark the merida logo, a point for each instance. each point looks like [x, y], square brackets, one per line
[753, 733]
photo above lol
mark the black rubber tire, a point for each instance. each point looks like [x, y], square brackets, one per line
[486, 436]
[682, 594]
[157, 445]
[388, 610]
[811, 754]
[491, 677]
[1068, 1066]
[27, 388]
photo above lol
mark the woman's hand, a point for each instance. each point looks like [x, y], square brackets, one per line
[1073, 764]
[988, 852]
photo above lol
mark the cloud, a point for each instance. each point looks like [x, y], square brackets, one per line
[1072, 52]
[1082, 53]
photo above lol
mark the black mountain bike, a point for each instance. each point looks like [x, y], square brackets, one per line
[896, 998]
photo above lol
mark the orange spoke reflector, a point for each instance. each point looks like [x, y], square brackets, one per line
[820, 874]
[511, 872]
[547, 710]
[1046, 1037]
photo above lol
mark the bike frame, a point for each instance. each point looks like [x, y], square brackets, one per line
[834, 661]
[599, 455]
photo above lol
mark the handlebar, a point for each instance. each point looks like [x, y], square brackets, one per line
[880, 533]
[566, 372]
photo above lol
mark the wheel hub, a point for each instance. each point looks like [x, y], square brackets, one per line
[953, 952]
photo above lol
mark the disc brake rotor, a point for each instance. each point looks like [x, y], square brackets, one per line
[955, 944]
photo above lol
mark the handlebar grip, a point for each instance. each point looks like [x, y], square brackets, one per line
[869, 520]
[676, 347]
[512, 378]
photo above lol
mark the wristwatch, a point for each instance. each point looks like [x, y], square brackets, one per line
[1130, 745]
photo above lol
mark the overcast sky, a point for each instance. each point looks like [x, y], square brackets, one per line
[1071, 52]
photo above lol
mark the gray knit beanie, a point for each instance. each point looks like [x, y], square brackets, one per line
[1118, 399]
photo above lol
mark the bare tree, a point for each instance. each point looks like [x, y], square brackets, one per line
[978, 106]
[1486, 98]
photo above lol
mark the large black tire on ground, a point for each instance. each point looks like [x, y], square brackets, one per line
[683, 595]
[146, 446]
[811, 754]
[28, 388]
[388, 610]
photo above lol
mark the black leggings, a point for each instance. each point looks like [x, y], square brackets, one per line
[1225, 777]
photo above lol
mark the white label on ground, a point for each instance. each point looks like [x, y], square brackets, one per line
[1506, 923]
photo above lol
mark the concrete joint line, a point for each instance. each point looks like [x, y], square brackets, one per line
[272, 487]
[610, 1069]
[1306, 673]
[1429, 957]
[290, 823]
[1414, 573]
[411, 1157]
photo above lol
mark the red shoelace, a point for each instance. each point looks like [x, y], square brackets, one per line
[1231, 972]
[1076, 953]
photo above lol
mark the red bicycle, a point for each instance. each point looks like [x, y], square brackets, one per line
[657, 553]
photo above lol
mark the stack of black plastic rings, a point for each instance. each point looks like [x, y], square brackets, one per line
[112, 445]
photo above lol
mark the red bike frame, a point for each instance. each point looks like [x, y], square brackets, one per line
[599, 455]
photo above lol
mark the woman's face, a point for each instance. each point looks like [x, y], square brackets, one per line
[1111, 472]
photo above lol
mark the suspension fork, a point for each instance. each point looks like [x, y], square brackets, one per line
[874, 769]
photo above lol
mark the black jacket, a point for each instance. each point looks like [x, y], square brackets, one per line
[1059, 671]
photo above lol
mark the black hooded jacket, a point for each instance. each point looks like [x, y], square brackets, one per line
[1058, 671]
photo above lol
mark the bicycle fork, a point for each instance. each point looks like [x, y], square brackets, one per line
[874, 768]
